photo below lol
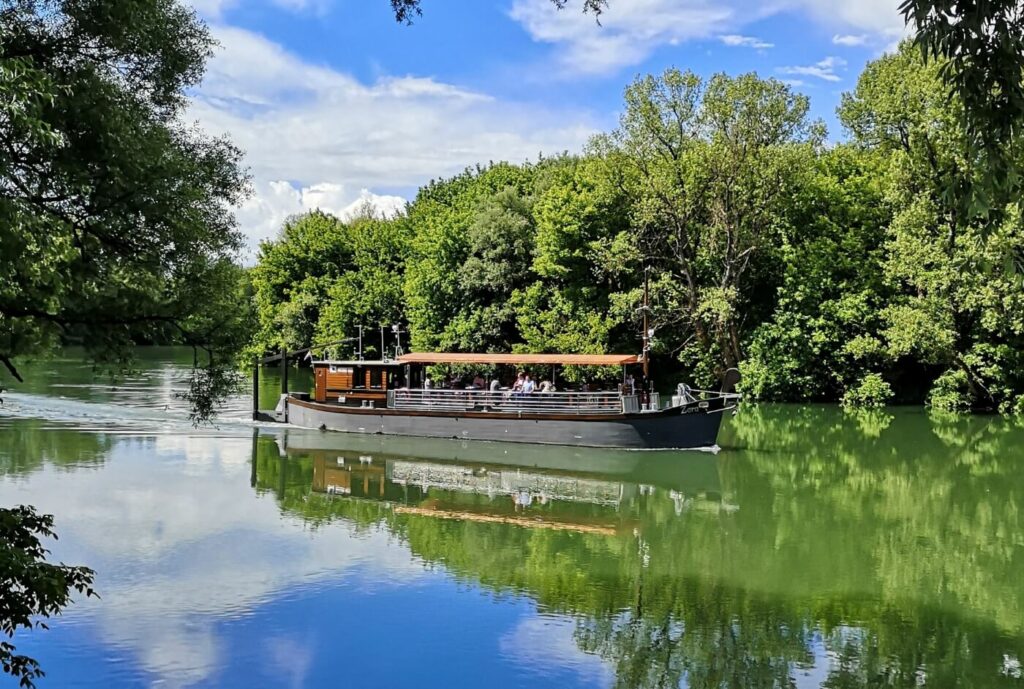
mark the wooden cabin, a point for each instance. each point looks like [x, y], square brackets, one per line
[354, 383]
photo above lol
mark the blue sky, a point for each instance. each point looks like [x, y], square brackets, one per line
[334, 103]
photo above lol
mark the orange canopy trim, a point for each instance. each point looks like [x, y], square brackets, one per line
[519, 359]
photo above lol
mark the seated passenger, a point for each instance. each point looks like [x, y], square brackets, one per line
[520, 380]
[528, 384]
[479, 382]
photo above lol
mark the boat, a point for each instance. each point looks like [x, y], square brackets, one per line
[395, 396]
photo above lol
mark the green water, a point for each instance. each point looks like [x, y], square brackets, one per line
[818, 548]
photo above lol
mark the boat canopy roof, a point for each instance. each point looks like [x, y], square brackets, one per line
[356, 362]
[519, 359]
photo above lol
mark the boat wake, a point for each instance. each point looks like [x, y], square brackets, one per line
[112, 417]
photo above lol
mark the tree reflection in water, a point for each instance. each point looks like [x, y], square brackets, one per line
[871, 550]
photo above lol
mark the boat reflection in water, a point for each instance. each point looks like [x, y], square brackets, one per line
[530, 487]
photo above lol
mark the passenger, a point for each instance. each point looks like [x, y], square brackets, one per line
[478, 382]
[528, 384]
[520, 380]
[427, 383]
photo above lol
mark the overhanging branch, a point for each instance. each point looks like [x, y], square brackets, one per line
[10, 367]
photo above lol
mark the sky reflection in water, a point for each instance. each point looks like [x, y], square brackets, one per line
[817, 549]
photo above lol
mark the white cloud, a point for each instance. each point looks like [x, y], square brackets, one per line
[823, 69]
[850, 41]
[336, 139]
[211, 8]
[736, 40]
[630, 30]
[263, 214]
[544, 643]
[879, 17]
[628, 33]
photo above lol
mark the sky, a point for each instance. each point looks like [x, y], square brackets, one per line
[335, 104]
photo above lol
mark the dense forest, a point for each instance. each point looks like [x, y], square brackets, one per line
[864, 271]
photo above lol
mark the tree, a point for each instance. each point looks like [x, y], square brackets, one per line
[959, 300]
[369, 292]
[114, 213]
[292, 278]
[585, 274]
[30, 587]
[980, 47]
[711, 167]
[823, 334]
[469, 250]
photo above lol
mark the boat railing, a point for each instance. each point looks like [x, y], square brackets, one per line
[510, 402]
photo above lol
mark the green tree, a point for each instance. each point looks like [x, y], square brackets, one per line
[30, 587]
[114, 214]
[960, 301]
[292, 278]
[584, 294]
[472, 246]
[370, 291]
[825, 329]
[711, 168]
[980, 49]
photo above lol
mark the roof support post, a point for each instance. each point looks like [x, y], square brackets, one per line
[255, 389]
[284, 379]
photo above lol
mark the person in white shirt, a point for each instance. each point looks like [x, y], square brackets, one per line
[528, 384]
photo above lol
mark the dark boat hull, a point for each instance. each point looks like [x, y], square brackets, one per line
[667, 429]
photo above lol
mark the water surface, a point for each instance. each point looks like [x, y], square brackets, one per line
[817, 549]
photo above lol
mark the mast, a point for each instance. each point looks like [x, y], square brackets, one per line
[647, 332]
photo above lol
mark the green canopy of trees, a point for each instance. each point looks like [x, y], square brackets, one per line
[859, 271]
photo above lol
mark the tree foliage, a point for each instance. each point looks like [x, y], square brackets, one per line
[31, 589]
[956, 275]
[116, 210]
[979, 48]
[710, 168]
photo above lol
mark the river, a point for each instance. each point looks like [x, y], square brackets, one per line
[816, 549]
